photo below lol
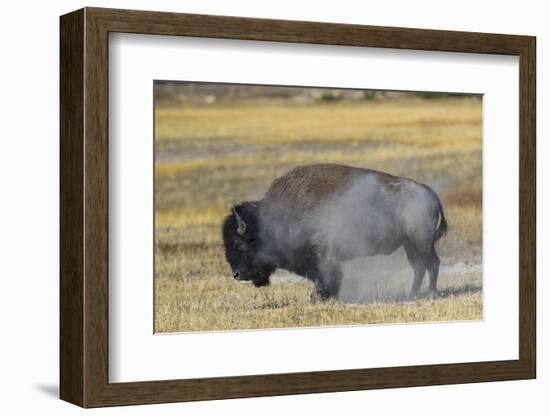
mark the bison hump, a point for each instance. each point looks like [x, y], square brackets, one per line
[305, 187]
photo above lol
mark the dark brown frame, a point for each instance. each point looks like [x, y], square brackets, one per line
[84, 208]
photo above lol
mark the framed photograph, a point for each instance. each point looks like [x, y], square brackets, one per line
[254, 207]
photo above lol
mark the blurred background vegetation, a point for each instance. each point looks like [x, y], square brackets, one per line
[189, 93]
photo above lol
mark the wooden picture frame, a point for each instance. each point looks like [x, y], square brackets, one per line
[84, 207]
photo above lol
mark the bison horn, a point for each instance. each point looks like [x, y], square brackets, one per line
[241, 225]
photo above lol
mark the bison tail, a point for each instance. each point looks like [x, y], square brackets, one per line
[441, 230]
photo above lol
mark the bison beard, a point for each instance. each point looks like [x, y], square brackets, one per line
[315, 218]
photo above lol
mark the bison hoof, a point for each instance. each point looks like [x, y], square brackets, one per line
[317, 296]
[314, 298]
[433, 295]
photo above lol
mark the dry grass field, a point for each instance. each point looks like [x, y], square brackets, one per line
[209, 157]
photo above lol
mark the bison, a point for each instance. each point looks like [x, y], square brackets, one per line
[316, 217]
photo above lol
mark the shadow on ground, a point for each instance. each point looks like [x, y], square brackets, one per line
[466, 289]
[51, 390]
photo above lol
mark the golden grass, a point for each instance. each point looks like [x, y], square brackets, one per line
[283, 123]
[382, 154]
[243, 306]
[211, 157]
[192, 216]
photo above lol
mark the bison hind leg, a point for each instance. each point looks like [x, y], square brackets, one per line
[419, 272]
[418, 262]
[433, 270]
[421, 262]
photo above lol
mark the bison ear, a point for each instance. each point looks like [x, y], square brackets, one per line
[241, 225]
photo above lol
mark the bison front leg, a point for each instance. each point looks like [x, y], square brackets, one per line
[327, 283]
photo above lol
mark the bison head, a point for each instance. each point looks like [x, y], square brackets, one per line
[243, 246]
